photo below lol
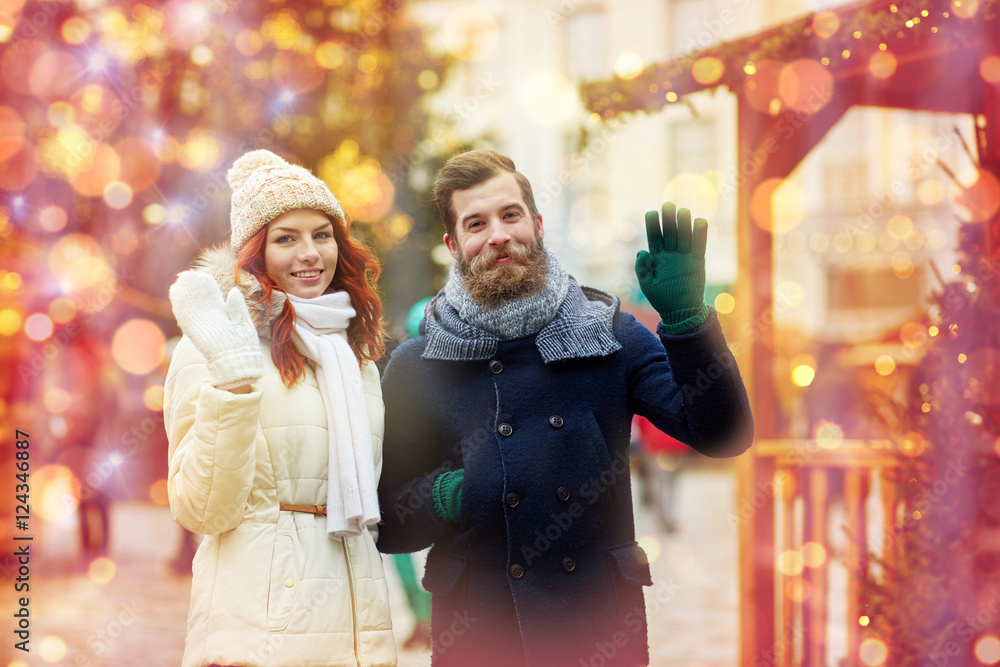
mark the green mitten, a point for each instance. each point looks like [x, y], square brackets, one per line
[447, 494]
[672, 273]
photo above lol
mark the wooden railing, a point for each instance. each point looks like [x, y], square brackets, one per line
[786, 490]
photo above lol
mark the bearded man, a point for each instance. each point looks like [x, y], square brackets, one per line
[507, 428]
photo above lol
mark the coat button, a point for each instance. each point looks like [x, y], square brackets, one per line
[496, 366]
[562, 493]
[289, 582]
[517, 570]
[513, 499]
[505, 429]
[569, 564]
[556, 421]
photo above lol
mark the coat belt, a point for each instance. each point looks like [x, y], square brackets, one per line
[319, 510]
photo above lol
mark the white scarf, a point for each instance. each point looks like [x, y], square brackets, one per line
[321, 335]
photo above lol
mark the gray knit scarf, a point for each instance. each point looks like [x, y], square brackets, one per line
[570, 321]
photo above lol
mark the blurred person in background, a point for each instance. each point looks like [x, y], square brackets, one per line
[274, 416]
[660, 458]
[507, 428]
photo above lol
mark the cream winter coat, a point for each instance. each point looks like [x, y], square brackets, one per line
[270, 587]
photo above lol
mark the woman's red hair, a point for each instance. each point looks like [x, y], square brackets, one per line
[357, 273]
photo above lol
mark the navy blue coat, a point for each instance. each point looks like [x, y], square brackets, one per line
[543, 569]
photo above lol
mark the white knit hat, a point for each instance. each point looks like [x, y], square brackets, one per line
[265, 186]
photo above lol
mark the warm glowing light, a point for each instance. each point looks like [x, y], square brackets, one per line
[429, 80]
[882, 64]
[803, 370]
[62, 310]
[987, 649]
[154, 214]
[902, 265]
[52, 648]
[697, 191]
[52, 218]
[651, 545]
[797, 589]
[933, 330]
[913, 334]
[202, 55]
[912, 444]
[10, 322]
[725, 303]
[38, 327]
[137, 346]
[548, 98]
[470, 32]
[962, 358]
[329, 55]
[996, 446]
[59, 492]
[707, 70]
[158, 492]
[873, 652]
[761, 87]
[885, 365]
[12, 281]
[989, 69]
[671, 96]
[79, 261]
[825, 24]
[56, 400]
[900, 226]
[965, 9]
[864, 621]
[813, 554]
[790, 563]
[778, 205]
[805, 85]
[925, 407]
[628, 65]
[98, 168]
[152, 397]
[828, 435]
[117, 195]
[75, 30]
[982, 198]
[101, 570]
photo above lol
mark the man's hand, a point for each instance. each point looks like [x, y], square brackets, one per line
[672, 273]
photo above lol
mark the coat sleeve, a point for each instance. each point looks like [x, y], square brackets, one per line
[414, 455]
[688, 386]
[211, 435]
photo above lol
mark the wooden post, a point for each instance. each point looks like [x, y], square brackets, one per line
[855, 495]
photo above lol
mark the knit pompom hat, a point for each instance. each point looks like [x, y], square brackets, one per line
[265, 186]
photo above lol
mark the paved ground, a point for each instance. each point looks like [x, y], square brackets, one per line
[139, 616]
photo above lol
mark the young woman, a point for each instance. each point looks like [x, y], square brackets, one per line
[274, 415]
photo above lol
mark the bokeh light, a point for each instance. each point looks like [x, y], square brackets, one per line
[873, 652]
[825, 24]
[53, 218]
[828, 434]
[790, 562]
[158, 492]
[989, 69]
[628, 65]
[152, 398]
[62, 310]
[10, 322]
[724, 303]
[75, 30]
[698, 193]
[651, 545]
[102, 570]
[117, 195]
[964, 9]
[137, 346]
[813, 554]
[78, 262]
[761, 88]
[987, 649]
[778, 205]
[882, 64]
[52, 648]
[38, 327]
[803, 370]
[58, 492]
[707, 70]
[885, 365]
[805, 85]
[912, 444]
[549, 98]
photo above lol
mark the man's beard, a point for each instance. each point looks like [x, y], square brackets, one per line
[493, 284]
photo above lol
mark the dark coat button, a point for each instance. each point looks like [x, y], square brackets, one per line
[513, 499]
[562, 493]
[496, 366]
[517, 570]
[569, 564]
[556, 421]
[505, 429]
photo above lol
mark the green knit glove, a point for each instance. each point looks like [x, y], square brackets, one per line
[672, 273]
[447, 494]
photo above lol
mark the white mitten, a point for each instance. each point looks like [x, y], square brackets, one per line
[221, 330]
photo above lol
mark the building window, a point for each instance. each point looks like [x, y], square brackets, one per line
[587, 45]
[692, 146]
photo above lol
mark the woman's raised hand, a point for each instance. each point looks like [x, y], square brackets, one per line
[221, 330]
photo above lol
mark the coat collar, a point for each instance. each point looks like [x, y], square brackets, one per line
[220, 263]
[582, 327]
